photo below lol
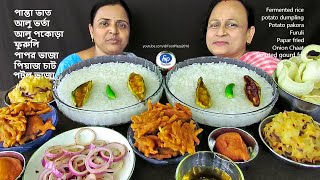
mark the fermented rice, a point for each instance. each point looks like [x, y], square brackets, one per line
[217, 76]
[114, 74]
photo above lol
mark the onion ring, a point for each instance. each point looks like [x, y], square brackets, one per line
[118, 150]
[54, 151]
[115, 166]
[97, 143]
[73, 165]
[103, 168]
[77, 136]
[96, 161]
[73, 149]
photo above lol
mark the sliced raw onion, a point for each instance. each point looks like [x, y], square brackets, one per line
[54, 152]
[45, 174]
[73, 149]
[118, 150]
[91, 177]
[115, 166]
[77, 137]
[56, 171]
[79, 161]
[96, 162]
[97, 143]
[46, 163]
[105, 176]
[62, 160]
[103, 168]
[74, 165]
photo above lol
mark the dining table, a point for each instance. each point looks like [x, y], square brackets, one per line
[266, 166]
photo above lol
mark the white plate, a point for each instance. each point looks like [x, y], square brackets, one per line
[34, 167]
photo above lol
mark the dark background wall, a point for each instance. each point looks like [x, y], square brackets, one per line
[156, 24]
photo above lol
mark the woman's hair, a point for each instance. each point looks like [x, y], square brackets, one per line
[102, 3]
[249, 10]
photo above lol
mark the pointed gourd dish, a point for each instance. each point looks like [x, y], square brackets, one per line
[252, 90]
[81, 94]
[203, 98]
[136, 86]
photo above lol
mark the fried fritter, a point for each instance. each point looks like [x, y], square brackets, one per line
[165, 131]
[231, 145]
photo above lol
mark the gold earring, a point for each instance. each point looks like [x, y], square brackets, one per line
[92, 40]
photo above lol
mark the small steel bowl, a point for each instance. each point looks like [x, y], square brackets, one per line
[207, 159]
[16, 155]
[285, 159]
[248, 139]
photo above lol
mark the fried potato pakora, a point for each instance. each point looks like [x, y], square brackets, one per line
[165, 131]
[14, 126]
[232, 145]
[294, 135]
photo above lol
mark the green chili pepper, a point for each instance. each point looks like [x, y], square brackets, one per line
[229, 91]
[111, 95]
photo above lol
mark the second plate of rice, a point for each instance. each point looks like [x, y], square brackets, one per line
[217, 73]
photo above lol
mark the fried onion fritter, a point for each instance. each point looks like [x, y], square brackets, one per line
[14, 120]
[165, 131]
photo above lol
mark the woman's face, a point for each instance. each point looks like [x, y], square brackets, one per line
[110, 30]
[227, 31]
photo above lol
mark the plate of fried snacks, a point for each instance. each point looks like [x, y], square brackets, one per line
[25, 126]
[83, 153]
[293, 137]
[164, 134]
[30, 88]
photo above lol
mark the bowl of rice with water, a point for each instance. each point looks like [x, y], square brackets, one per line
[217, 73]
[103, 71]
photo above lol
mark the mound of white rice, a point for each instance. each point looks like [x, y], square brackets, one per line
[217, 76]
[114, 74]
